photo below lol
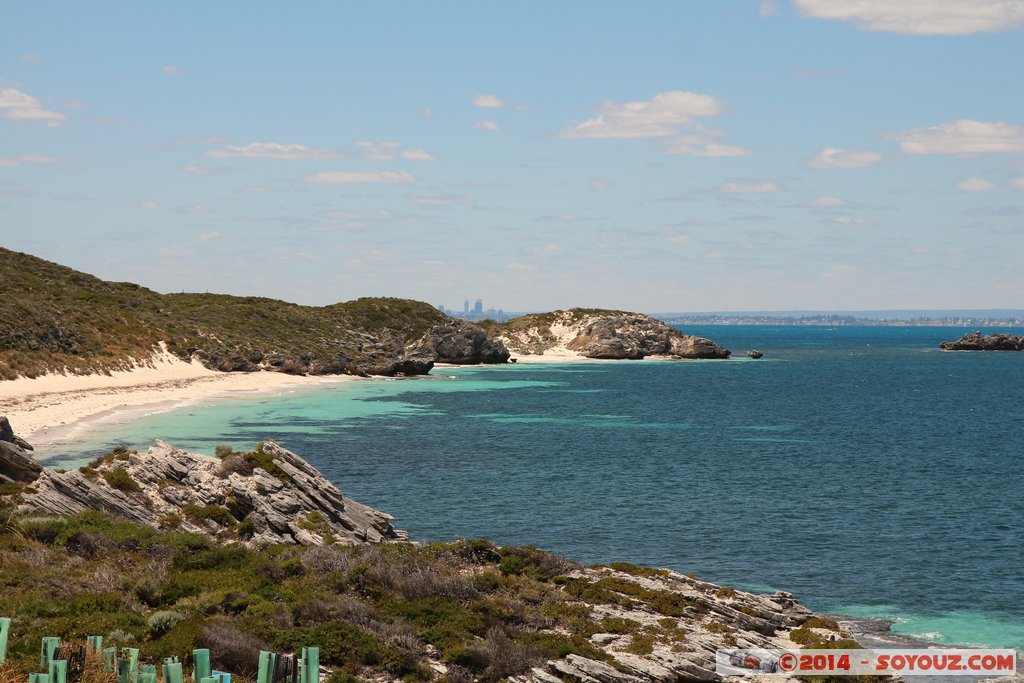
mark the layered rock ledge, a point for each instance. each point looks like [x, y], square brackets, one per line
[600, 334]
[17, 466]
[976, 341]
[268, 496]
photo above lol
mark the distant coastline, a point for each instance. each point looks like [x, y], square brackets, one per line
[829, 320]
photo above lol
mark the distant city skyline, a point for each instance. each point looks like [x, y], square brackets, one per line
[666, 156]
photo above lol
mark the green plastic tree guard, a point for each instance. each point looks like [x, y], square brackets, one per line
[147, 669]
[48, 651]
[5, 627]
[209, 679]
[310, 665]
[147, 677]
[39, 678]
[124, 670]
[94, 644]
[267, 663]
[201, 665]
[58, 671]
[109, 659]
[224, 676]
[173, 672]
[132, 655]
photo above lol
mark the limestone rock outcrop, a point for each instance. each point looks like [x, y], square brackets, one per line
[976, 341]
[602, 334]
[269, 496]
[463, 344]
[693, 619]
[16, 464]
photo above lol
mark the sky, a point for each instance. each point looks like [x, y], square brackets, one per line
[685, 155]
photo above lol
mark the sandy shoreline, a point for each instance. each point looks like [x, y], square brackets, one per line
[54, 408]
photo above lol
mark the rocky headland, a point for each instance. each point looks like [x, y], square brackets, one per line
[601, 334]
[976, 341]
[462, 611]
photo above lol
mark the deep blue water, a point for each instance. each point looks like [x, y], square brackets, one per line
[860, 468]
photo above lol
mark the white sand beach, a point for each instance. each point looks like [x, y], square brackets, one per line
[54, 407]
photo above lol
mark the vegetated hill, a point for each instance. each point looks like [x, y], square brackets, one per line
[53, 318]
[600, 333]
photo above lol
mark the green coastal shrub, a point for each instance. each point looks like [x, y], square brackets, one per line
[163, 621]
[119, 478]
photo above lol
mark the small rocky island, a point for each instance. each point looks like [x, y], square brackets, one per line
[976, 341]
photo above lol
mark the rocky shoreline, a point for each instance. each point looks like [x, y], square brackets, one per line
[644, 624]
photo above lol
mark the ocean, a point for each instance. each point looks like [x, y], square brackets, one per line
[859, 468]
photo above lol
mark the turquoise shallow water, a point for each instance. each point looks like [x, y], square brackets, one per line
[860, 468]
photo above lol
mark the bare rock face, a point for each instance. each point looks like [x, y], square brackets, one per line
[463, 344]
[267, 497]
[16, 465]
[975, 341]
[604, 335]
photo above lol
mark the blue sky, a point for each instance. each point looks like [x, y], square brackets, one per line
[657, 156]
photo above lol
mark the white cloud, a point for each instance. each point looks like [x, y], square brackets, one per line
[208, 236]
[171, 70]
[678, 238]
[825, 202]
[197, 170]
[19, 106]
[28, 160]
[523, 267]
[559, 218]
[750, 187]
[487, 125]
[851, 222]
[195, 209]
[963, 137]
[344, 177]
[833, 157]
[384, 150]
[920, 17]
[417, 154]
[149, 205]
[426, 113]
[31, 58]
[769, 8]
[547, 250]
[600, 184]
[439, 200]
[700, 146]
[1017, 183]
[661, 116]
[975, 185]
[272, 150]
[379, 215]
[488, 102]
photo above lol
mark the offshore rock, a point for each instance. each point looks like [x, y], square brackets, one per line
[603, 334]
[235, 498]
[754, 353]
[16, 465]
[975, 341]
